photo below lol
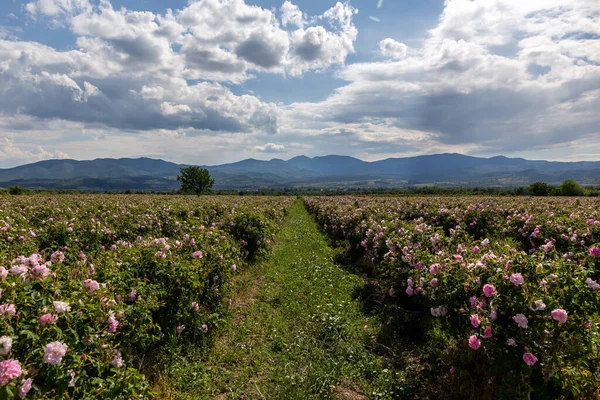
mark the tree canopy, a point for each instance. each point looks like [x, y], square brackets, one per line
[570, 188]
[195, 180]
[540, 189]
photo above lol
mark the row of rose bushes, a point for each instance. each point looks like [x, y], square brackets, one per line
[505, 290]
[90, 286]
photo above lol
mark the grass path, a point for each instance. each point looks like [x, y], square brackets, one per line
[296, 331]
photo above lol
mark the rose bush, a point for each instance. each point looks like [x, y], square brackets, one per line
[505, 290]
[89, 285]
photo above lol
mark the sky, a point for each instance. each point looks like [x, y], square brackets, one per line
[213, 81]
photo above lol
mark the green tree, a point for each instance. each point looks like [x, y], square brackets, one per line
[16, 190]
[195, 180]
[540, 189]
[570, 188]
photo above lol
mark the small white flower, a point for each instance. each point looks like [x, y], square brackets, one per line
[60, 306]
[5, 345]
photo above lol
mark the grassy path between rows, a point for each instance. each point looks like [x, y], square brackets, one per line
[296, 332]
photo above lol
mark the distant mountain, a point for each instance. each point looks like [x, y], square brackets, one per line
[317, 172]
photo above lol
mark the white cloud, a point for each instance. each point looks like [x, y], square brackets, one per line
[270, 148]
[391, 48]
[139, 70]
[292, 15]
[461, 89]
[10, 153]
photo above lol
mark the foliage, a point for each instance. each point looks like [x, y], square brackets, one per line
[570, 188]
[16, 190]
[502, 293]
[106, 280]
[540, 189]
[195, 180]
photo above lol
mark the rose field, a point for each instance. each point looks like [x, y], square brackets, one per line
[350, 297]
[91, 286]
[501, 294]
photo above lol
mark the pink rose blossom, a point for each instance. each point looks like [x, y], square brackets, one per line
[25, 388]
[54, 352]
[434, 282]
[8, 309]
[9, 370]
[560, 315]
[57, 257]
[595, 251]
[487, 333]
[195, 306]
[529, 359]
[434, 269]
[516, 279]
[473, 301]
[475, 320]
[489, 290]
[521, 320]
[474, 343]
[117, 362]
[592, 284]
[197, 255]
[47, 319]
[91, 285]
[205, 328]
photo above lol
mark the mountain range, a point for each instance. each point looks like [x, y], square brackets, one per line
[332, 171]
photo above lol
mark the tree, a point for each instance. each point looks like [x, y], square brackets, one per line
[16, 190]
[570, 188]
[540, 189]
[195, 180]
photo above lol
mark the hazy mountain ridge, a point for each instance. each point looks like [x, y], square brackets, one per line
[301, 171]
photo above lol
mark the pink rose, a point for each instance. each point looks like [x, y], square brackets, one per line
[475, 321]
[487, 332]
[47, 319]
[595, 251]
[560, 315]
[55, 352]
[521, 320]
[489, 290]
[91, 285]
[25, 388]
[474, 343]
[529, 359]
[516, 279]
[9, 370]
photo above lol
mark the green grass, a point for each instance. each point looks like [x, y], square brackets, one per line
[296, 332]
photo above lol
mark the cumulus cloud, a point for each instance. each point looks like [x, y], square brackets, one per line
[140, 70]
[391, 48]
[9, 152]
[270, 148]
[466, 87]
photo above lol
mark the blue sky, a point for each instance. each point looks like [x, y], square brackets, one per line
[214, 81]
